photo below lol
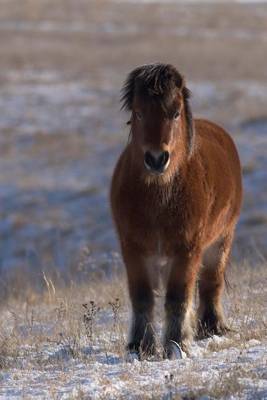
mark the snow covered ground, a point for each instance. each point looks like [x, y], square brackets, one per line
[58, 347]
[229, 373]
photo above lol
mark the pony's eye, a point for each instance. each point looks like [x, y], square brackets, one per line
[138, 115]
[176, 114]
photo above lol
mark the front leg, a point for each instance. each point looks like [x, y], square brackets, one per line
[179, 300]
[142, 340]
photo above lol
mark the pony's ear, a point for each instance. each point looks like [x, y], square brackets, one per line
[127, 91]
[188, 118]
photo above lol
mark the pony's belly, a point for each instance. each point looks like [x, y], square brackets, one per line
[158, 269]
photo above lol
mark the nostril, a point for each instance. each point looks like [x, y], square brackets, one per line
[158, 162]
[163, 159]
[150, 160]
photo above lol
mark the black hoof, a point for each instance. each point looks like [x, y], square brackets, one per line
[132, 356]
[173, 351]
[207, 330]
[138, 351]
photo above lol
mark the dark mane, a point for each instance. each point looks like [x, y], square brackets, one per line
[152, 81]
[158, 83]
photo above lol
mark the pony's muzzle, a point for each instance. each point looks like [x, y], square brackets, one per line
[156, 162]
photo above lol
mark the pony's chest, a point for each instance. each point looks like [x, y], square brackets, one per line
[155, 225]
[155, 212]
[154, 218]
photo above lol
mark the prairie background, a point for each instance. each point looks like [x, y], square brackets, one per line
[64, 311]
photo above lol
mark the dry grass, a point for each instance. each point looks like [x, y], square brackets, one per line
[89, 323]
[64, 316]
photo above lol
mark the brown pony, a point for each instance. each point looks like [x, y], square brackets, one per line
[176, 195]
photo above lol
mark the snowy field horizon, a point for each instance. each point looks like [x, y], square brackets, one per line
[191, 1]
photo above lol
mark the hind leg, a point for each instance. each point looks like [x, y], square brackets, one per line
[211, 285]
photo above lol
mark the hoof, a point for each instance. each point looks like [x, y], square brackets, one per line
[138, 352]
[207, 330]
[173, 351]
[132, 356]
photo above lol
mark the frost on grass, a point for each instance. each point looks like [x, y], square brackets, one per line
[71, 344]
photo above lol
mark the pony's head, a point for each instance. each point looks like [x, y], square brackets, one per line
[161, 120]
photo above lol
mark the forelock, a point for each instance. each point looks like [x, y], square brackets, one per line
[156, 82]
